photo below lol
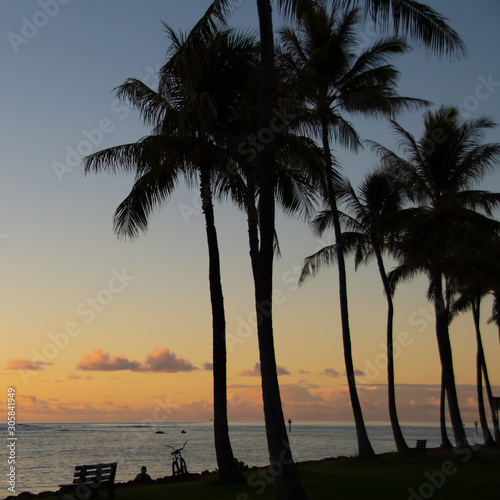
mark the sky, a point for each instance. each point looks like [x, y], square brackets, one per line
[95, 328]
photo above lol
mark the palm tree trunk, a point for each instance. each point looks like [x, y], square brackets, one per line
[445, 441]
[496, 429]
[253, 231]
[393, 414]
[488, 439]
[286, 485]
[365, 448]
[444, 345]
[228, 467]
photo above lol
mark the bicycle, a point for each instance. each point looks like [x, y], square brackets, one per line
[179, 469]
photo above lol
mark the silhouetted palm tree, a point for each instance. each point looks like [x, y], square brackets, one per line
[475, 306]
[440, 174]
[370, 220]
[200, 89]
[336, 80]
[475, 271]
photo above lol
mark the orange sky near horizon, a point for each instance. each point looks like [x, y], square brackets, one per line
[124, 382]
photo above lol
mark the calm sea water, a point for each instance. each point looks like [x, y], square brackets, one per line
[47, 453]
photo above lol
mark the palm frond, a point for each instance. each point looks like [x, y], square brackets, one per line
[402, 272]
[148, 102]
[148, 192]
[324, 257]
[495, 312]
[417, 21]
[276, 245]
[485, 201]
[296, 8]
[127, 158]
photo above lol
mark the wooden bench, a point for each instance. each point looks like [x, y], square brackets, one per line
[421, 444]
[88, 480]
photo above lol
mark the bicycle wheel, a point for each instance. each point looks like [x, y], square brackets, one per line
[176, 470]
[184, 470]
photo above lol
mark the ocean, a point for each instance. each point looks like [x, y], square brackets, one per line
[46, 454]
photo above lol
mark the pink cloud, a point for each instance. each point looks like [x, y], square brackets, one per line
[161, 360]
[103, 361]
[26, 364]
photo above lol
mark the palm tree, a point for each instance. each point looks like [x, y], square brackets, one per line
[475, 268]
[475, 305]
[414, 249]
[370, 220]
[440, 174]
[335, 80]
[196, 105]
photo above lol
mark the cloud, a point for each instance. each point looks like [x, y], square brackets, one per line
[208, 366]
[103, 361]
[304, 372]
[161, 360]
[331, 372]
[255, 371]
[26, 364]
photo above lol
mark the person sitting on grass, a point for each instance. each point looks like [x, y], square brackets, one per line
[143, 475]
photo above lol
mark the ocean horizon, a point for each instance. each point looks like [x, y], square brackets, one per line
[46, 453]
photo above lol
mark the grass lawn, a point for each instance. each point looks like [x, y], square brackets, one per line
[438, 474]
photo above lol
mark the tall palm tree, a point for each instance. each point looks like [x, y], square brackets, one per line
[414, 249]
[440, 174]
[197, 103]
[370, 220]
[475, 268]
[335, 80]
[475, 305]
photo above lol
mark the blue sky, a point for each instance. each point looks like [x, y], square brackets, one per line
[61, 61]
